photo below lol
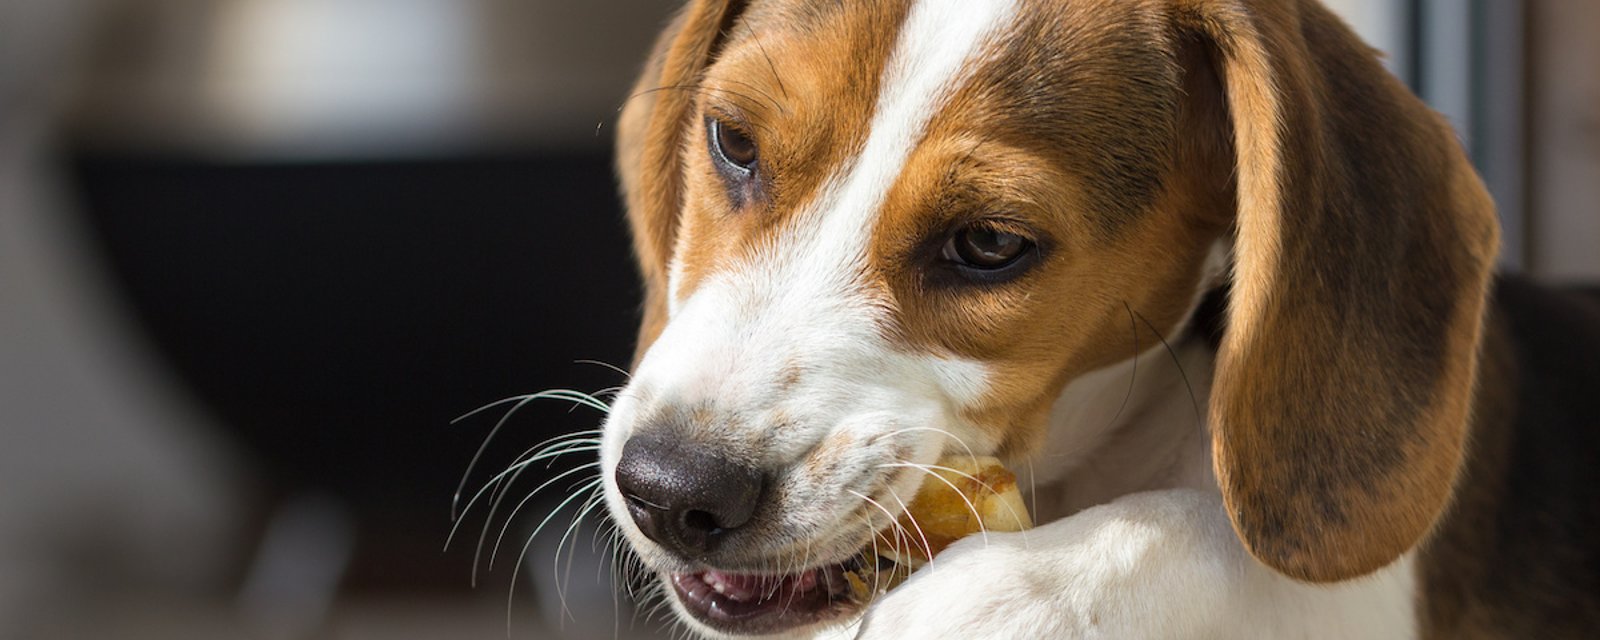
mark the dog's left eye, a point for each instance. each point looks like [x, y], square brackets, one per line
[733, 148]
[985, 248]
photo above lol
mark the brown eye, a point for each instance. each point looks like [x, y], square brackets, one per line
[733, 148]
[985, 248]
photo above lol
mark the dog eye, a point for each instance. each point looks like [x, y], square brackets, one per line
[985, 248]
[733, 147]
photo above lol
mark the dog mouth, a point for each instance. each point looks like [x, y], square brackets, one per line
[749, 603]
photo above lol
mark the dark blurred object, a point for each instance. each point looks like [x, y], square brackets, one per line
[338, 315]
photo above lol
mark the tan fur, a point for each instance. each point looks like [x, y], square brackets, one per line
[651, 134]
[646, 166]
[983, 157]
[801, 140]
[666, 177]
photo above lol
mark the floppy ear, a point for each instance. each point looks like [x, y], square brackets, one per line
[650, 137]
[1363, 249]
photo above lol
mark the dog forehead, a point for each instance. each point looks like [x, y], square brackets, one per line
[847, 93]
[1087, 85]
[841, 95]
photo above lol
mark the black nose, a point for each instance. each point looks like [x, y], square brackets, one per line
[683, 495]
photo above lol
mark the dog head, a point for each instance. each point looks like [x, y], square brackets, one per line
[873, 232]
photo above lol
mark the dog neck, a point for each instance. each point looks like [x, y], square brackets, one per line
[1139, 424]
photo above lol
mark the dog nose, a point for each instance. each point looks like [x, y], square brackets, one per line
[683, 495]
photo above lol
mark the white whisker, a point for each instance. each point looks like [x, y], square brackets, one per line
[576, 397]
[939, 431]
[564, 577]
[516, 570]
[928, 469]
[906, 511]
[495, 550]
[493, 482]
[607, 365]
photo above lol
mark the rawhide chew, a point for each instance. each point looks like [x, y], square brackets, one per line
[961, 496]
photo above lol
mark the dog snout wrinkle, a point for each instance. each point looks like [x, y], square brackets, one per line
[683, 495]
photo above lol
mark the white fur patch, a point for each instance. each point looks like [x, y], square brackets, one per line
[940, 40]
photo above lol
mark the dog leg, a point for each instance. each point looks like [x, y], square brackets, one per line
[1161, 564]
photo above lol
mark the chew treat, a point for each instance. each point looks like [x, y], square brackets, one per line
[961, 496]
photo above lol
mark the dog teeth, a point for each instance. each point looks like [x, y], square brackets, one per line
[752, 588]
[731, 587]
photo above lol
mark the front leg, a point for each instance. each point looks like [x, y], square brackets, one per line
[1161, 564]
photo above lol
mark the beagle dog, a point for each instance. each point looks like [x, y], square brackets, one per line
[1213, 284]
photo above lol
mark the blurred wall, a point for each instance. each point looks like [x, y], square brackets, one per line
[1382, 23]
[361, 78]
[1564, 139]
[114, 489]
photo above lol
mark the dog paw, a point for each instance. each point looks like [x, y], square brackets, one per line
[1144, 566]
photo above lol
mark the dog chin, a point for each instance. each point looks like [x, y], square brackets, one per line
[726, 603]
[719, 604]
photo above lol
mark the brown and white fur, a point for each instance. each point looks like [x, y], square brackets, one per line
[1250, 369]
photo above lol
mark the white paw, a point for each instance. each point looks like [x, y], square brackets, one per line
[1145, 566]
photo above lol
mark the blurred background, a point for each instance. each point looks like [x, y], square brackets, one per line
[255, 256]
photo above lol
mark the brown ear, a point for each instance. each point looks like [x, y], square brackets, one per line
[1363, 247]
[650, 138]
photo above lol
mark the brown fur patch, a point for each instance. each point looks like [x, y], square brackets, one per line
[1363, 252]
[807, 111]
[1067, 133]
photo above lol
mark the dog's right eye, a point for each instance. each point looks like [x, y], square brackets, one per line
[986, 252]
[985, 248]
[732, 148]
